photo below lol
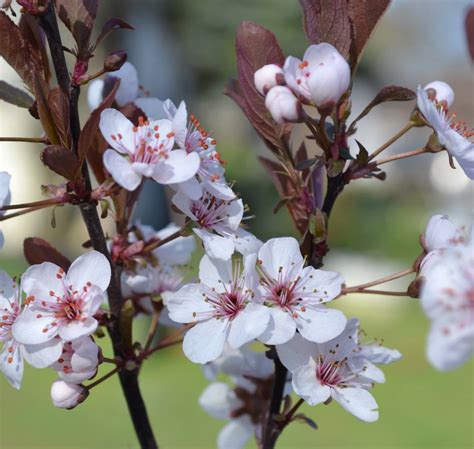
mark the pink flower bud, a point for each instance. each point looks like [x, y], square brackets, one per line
[441, 92]
[68, 396]
[283, 105]
[268, 76]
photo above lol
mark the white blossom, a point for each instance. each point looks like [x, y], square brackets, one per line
[223, 306]
[283, 105]
[268, 76]
[342, 369]
[296, 295]
[66, 395]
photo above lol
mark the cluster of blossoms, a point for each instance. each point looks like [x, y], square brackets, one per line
[320, 79]
[54, 323]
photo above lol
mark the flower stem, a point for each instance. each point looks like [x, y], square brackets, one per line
[152, 330]
[166, 342]
[396, 157]
[392, 140]
[151, 246]
[293, 410]
[24, 139]
[49, 202]
[360, 288]
[23, 212]
[101, 379]
[381, 292]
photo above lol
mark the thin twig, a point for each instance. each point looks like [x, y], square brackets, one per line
[392, 140]
[383, 280]
[152, 331]
[396, 157]
[105, 377]
[24, 139]
[151, 246]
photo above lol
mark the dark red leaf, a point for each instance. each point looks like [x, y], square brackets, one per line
[61, 160]
[469, 25]
[44, 112]
[110, 26]
[364, 16]
[58, 104]
[38, 251]
[328, 21]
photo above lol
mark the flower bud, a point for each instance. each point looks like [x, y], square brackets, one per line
[441, 92]
[328, 74]
[5, 4]
[283, 105]
[68, 396]
[267, 77]
[115, 61]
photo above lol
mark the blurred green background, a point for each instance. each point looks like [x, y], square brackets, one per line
[185, 49]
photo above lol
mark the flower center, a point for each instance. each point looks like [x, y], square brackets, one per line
[328, 372]
[209, 211]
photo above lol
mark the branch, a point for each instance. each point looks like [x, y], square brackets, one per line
[392, 140]
[361, 287]
[396, 157]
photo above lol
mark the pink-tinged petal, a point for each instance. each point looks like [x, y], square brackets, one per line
[187, 305]
[183, 203]
[12, 366]
[143, 169]
[95, 94]
[86, 355]
[216, 247]
[77, 329]
[281, 252]
[152, 107]
[436, 118]
[92, 267]
[326, 285]
[129, 84]
[281, 328]
[357, 401]
[40, 280]
[236, 434]
[249, 324]
[72, 377]
[220, 189]
[178, 167]
[440, 233]
[320, 324]
[205, 341]
[306, 385]
[190, 188]
[297, 352]
[44, 355]
[94, 300]
[32, 328]
[117, 131]
[246, 243]
[121, 169]
[218, 400]
[180, 125]
[235, 212]
[214, 272]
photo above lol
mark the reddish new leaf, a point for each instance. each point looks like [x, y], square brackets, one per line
[37, 251]
[110, 26]
[58, 104]
[16, 51]
[328, 21]
[61, 160]
[41, 95]
[364, 16]
[469, 24]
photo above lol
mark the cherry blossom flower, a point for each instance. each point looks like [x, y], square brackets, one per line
[268, 76]
[218, 224]
[78, 361]
[244, 403]
[223, 306]
[342, 369]
[454, 136]
[4, 196]
[62, 304]
[296, 295]
[13, 353]
[144, 150]
[440, 234]
[127, 92]
[321, 78]
[447, 297]
[66, 395]
[283, 105]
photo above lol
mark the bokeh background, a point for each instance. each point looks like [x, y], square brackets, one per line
[184, 49]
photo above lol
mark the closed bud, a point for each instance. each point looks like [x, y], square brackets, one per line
[268, 76]
[283, 105]
[115, 61]
[68, 396]
[440, 92]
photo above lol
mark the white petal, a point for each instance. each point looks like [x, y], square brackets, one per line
[183, 203]
[220, 189]
[214, 272]
[8, 290]
[236, 434]
[129, 85]
[11, 365]
[121, 170]
[91, 267]
[320, 324]
[379, 354]
[205, 341]
[249, 324]
[281, 328]
[235, 212]
[178, 167]
[296, 352]
[216, 246]
[86, 355]
[77, 329]
[177, 252]
[44, 355]
[180, 125]
[187, 305]
[246, 243]
[39, 280]
[190, 188]
[280, 252]
[218, 400]
[95, 94]
[357, 401]
[28, 328]
[114, 123]
[152, 107]
[306, 385]
[440, 233]
[326, 285]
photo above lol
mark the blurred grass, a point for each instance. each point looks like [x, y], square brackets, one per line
[419, 407]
